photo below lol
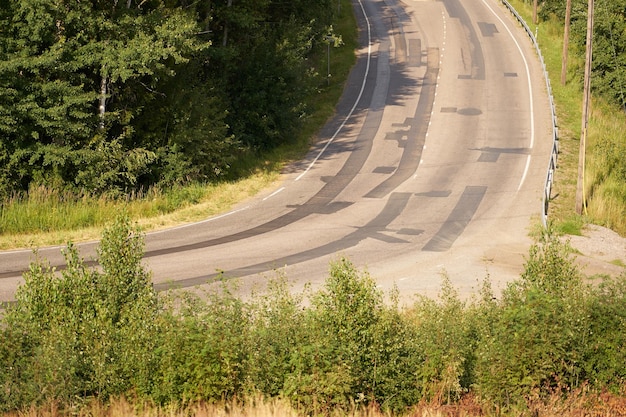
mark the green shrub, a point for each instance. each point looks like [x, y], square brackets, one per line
[395, 360]
[605, 354]
[83, 333]
[202, 348]
[333, 366]
[445, 342]
[356, 349]
[276, 333]
[537, 338]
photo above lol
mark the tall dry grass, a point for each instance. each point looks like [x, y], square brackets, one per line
[581, 403]
[45, 216]
[605, 179]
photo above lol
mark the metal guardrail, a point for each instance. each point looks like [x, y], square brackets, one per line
[555, 129]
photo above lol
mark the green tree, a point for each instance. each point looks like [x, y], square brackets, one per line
[609, 43]
[74, 76]
[609, 55]
[109, 97]
[261, 55]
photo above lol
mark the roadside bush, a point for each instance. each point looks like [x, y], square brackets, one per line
[83, 333]
[202, 348]
[277, 331]
[333, 366]
[537, 338]
[356, 349]
[445, 342]
[396, 361]
[605, 354]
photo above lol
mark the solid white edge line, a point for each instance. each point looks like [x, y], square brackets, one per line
[530, 93]
[274, 193]
[367, 69]
[200, 222]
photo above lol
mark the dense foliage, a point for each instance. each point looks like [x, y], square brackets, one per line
[113, 96]
[105, 332]
[609, 43]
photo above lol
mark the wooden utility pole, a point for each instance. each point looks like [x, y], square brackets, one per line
[535, 5]
[580, 192]
[568, 18]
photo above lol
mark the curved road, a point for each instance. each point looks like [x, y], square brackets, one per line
[434, 164]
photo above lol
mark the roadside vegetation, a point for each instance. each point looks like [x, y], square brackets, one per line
[86, 338]
[605, 169]
[45, 191]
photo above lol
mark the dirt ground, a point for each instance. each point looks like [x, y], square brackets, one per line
[600, 251]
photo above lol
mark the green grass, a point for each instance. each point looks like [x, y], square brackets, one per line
[605, 180]
[572, 225]
[619, 262]
[49, 217]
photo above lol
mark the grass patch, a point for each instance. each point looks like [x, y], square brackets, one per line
[570, 226]
[605, 179]
[45, 217]
[619, 262]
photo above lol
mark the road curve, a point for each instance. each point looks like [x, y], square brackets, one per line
[433, 165]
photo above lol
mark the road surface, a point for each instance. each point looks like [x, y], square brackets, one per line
[434, 164]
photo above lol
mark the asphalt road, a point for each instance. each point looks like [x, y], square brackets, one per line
[434, 164]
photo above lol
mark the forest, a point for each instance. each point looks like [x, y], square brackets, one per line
[110, 97]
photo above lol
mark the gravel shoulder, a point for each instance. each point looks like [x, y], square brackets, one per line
[600, 251]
